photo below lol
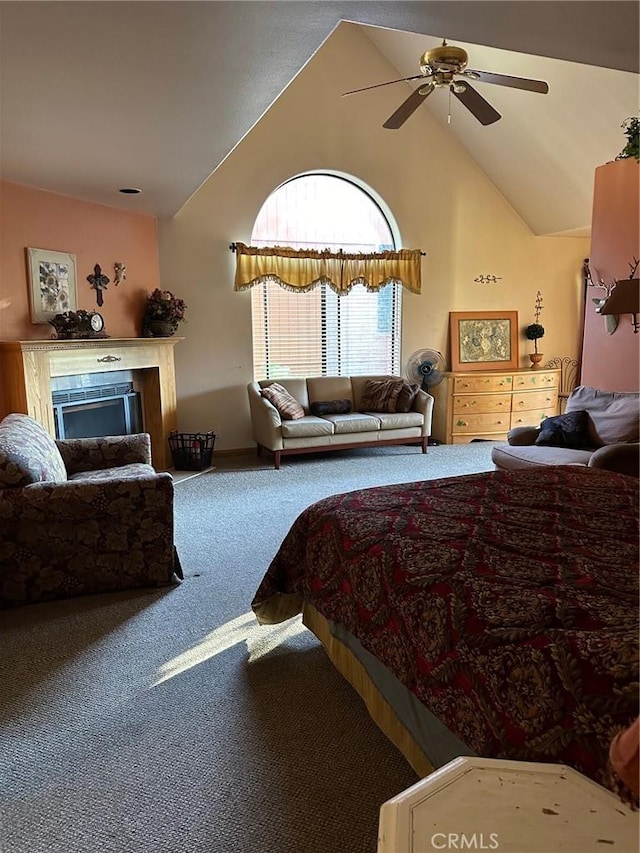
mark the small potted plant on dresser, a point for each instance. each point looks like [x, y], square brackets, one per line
[162, 314]
[534, 331]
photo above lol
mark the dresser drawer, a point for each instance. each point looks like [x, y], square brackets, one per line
[483, 382]
[531, 418]
[465, 438]
[487, 423]
[523, 400]
[536, 379]
[469, 404]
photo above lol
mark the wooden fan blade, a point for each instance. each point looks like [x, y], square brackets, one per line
[476, 104]
[515, 82]
[408, 107]
[377, 85]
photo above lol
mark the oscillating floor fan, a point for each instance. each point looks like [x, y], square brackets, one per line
[425, 367]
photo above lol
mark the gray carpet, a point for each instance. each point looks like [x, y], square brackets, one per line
[157, 721]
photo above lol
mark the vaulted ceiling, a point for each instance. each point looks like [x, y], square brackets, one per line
[96, 96]
[542, 153]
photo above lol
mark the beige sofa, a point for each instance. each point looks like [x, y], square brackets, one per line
[610, 441]
[338, 431]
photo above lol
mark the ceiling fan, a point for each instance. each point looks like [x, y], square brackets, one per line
[446, 66]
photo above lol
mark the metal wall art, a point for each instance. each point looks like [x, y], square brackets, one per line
[98, 281]
[487, 279]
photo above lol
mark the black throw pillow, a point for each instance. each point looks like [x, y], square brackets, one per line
[330, 407]
[569, 430]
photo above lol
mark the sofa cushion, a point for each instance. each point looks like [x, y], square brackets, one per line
[307, 427]
[613, 415]
[133, 471]
[28, 454]
[290, 409]
[354, 422]
[400, 420]
[512, 458]
[406, 397]
[380, 395]
[321, 388]
[570, 429]
[330, 407]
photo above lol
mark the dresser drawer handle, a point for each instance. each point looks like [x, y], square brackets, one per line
[108, 358]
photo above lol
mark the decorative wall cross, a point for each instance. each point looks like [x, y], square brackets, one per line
[98, 281]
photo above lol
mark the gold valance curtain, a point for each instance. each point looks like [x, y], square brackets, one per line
[304, 269]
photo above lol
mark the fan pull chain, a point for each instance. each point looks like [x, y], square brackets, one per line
[449, 109]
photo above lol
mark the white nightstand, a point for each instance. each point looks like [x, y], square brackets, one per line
[508, 806]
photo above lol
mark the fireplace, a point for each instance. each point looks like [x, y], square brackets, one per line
[28, 368]
[97, 410]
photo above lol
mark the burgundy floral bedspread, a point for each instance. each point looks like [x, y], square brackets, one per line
[506, 601]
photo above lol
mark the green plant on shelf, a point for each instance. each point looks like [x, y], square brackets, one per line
[631, 127]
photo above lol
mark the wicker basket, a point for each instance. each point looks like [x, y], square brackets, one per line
[191, 451]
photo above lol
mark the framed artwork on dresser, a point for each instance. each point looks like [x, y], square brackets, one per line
[52, 283]
[484, 340]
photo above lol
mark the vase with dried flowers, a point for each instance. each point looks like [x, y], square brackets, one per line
[534, 331]
[162, 314]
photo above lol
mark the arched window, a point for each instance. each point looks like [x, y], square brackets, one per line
[319, 333]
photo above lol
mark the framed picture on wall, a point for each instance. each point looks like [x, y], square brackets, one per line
[52, 283]
[484, 340]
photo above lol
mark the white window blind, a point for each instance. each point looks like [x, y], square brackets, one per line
[319, 332]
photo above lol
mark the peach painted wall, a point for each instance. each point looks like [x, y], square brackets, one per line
[612, 362]
[96, 234]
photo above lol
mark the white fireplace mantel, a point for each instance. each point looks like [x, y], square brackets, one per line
[26, 369]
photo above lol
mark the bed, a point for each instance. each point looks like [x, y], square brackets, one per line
[493, 614]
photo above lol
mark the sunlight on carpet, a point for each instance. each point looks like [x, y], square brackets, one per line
[260, 641]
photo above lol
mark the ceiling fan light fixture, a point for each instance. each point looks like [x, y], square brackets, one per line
[446, 56]
[439, 68]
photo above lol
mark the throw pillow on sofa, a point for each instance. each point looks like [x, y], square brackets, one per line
[406, 397]
[568, 430]
[330, 407]
[381, 395]
[289, 408]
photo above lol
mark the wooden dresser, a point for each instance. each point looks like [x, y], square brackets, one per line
[487, 405]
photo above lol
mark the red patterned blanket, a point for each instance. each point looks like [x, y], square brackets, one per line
[506, 601]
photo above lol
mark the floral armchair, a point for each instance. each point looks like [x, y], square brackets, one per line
[80, 516]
